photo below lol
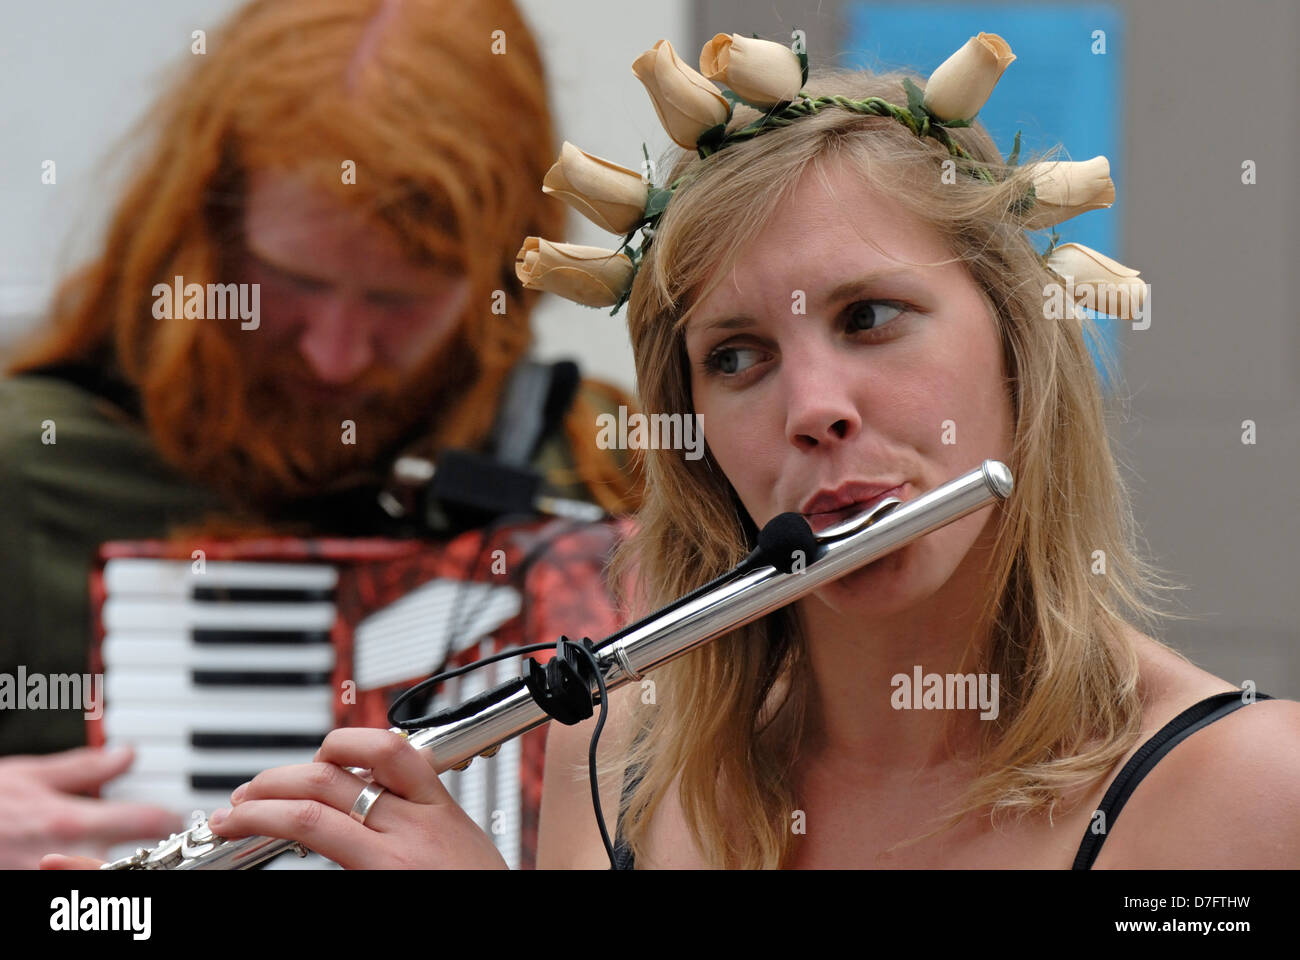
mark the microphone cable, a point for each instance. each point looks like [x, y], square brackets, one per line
[562, 687]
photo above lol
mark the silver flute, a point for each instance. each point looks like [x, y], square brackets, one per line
[646, 644]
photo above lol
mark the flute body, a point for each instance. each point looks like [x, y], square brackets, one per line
[640, 647]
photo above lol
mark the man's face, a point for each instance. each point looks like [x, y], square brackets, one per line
[350, 329]
[340, 293]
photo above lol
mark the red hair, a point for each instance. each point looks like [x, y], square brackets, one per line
[447, 123]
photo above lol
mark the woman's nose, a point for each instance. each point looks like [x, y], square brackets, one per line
[821, 408]
[336, 341]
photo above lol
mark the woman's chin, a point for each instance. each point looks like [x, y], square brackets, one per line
[880, 588]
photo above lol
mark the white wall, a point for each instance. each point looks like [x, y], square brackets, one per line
[75, 75]
[600, 106]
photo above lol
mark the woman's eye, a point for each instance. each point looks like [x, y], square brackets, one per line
[726, 360]
[873, 313]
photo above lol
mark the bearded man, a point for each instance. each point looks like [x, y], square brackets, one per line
[310, 275]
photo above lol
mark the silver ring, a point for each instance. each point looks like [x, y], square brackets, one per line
[365, 802]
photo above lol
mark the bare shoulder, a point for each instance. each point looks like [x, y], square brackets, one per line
[567, 836]
[1228, 796]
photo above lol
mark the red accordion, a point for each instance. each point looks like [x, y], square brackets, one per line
[222, 659]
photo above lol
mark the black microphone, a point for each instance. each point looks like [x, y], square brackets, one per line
[778, 542]
[785, 539]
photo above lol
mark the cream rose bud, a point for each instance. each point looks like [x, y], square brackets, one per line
[610, 196]
[591, 276]
[687, 104]
[1064, 190]
[763, 72]
[960, 86]
[1100, 283]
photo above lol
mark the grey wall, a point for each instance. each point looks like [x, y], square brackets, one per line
[1208, 86]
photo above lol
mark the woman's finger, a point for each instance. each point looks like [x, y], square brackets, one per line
[392, 761]
[324, 783]
[316, 825]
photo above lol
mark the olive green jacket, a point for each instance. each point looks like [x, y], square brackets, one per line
[75, 472]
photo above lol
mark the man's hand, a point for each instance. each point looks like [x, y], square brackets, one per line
[40, 812]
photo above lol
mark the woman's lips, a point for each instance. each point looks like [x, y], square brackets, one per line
[824, 521]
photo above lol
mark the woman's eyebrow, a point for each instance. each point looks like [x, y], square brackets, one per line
[839, 292]
[852, 287]
[725, 323]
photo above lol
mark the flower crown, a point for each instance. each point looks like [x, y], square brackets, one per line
[769, 77]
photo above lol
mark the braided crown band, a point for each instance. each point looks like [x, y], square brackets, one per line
[769, 77]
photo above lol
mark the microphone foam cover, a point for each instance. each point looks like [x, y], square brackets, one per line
[782, 537]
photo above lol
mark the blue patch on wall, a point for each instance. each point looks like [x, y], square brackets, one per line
[1057, 91]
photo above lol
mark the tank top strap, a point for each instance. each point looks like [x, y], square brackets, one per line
[1177, 730]
[623, 857]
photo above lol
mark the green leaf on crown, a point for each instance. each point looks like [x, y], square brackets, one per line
[1013, 158]
[709, 140]
[1025, 202]
[915, 101]
[656, 200]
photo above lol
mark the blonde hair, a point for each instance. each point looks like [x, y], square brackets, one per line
[729, 716]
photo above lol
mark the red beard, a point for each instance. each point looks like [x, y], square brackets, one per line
[298, 439]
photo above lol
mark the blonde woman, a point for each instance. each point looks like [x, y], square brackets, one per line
[783, 744]
[847, 323]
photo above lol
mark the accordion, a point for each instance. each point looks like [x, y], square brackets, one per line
[222, 659]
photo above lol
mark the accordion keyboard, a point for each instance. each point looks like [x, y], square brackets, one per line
[214, 676]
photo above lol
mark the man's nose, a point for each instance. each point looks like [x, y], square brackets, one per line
[821, 408]
[336, 341]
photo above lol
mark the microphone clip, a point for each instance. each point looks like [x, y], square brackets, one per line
[563, 686]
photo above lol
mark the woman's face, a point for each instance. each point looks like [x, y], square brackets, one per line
[820, 366]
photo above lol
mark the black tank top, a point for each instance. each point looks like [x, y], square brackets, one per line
[1139, 765]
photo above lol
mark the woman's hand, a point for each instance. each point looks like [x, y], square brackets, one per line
[414, 823]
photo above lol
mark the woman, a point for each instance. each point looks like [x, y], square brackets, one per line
[849, 321]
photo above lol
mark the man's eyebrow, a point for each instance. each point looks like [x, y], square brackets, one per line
[840, 292]
[381, 290]
[270, 263]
